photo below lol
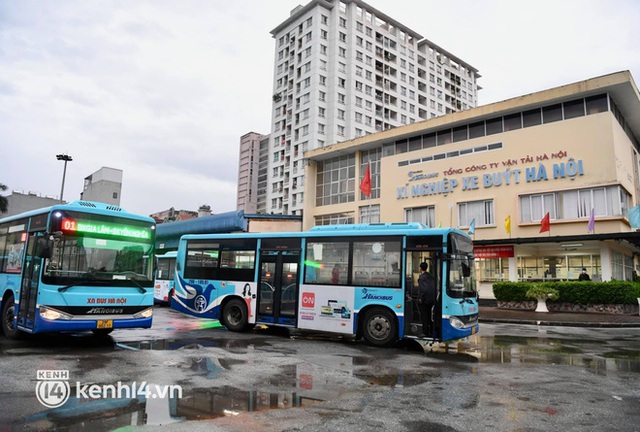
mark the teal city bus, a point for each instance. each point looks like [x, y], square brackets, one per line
[349, 279]
[76, 267]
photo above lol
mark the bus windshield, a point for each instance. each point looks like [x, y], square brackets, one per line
[99, 259]
[461, 281]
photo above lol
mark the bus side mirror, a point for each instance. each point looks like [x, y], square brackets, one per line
[44, 249]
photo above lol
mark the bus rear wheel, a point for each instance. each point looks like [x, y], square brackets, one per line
[379, 327]
[235, 315]
[8, 324]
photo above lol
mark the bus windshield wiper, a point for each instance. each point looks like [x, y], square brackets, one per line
[131, 276]
[138, 286]
[466, 299]
[84, 282]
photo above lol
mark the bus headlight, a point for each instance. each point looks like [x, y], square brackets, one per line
[144, 314]
[53, 314]
[456, 322]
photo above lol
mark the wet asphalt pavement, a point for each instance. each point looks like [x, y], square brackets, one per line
[509, 377]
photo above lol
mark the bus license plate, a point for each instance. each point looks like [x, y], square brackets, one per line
[105, 324]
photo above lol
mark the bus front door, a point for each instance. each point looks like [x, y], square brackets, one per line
[29, 284]
[414, 311]
[278, 293]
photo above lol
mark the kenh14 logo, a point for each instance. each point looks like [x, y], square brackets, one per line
[52, 389]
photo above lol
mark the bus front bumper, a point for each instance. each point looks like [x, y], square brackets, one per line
[49, 319]
[459, 327]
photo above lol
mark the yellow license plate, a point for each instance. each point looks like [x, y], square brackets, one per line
[105, 324]
[473, 330]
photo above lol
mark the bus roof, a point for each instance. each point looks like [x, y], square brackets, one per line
[91, 206]
[371, 226]
[354, 230]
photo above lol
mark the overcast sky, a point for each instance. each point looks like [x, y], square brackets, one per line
[163, 90]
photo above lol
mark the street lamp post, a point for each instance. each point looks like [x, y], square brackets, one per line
[66, 158]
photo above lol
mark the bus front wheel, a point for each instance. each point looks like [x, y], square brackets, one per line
[235, 316]
[8, 323]
[379, 327]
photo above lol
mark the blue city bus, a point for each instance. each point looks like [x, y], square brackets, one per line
[76, 267]
[357, 280]
[164, 277]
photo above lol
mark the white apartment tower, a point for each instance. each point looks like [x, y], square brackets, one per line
[247, 170]
[343, 70]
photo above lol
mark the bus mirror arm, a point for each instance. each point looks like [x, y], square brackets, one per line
[44, 248]
[466, 270]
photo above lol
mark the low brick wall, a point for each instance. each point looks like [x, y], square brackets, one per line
[572, 307]
[524, 305]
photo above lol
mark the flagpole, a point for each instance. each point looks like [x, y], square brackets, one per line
[450, 214]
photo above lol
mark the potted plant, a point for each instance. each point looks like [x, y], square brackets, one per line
[542, 294]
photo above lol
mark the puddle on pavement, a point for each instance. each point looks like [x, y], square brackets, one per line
[178, 405]
[304, 384]
[232, 345]
[193, 404]
[541, 350]
[298, 385]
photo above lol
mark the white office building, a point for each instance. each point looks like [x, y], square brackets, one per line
[343, 70]
[104, 185]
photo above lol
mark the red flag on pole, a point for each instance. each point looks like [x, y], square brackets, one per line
[544, 223]
[365, 185]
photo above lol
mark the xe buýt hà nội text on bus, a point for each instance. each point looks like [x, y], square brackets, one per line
[358, 280]
[76, 267]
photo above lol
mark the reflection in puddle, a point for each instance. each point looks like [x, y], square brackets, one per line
[542, 350]
[233, 346]
[298, 385]
[218, 402]
[195, 404]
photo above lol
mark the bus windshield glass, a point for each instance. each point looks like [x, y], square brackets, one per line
[461, 281]
[100, 249]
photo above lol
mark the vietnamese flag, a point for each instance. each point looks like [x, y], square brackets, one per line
[365, 185]
[544, 223]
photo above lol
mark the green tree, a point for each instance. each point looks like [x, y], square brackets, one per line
[3, 199]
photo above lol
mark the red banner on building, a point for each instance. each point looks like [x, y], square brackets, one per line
[493, 251]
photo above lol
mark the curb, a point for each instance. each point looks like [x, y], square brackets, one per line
[560, 323]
